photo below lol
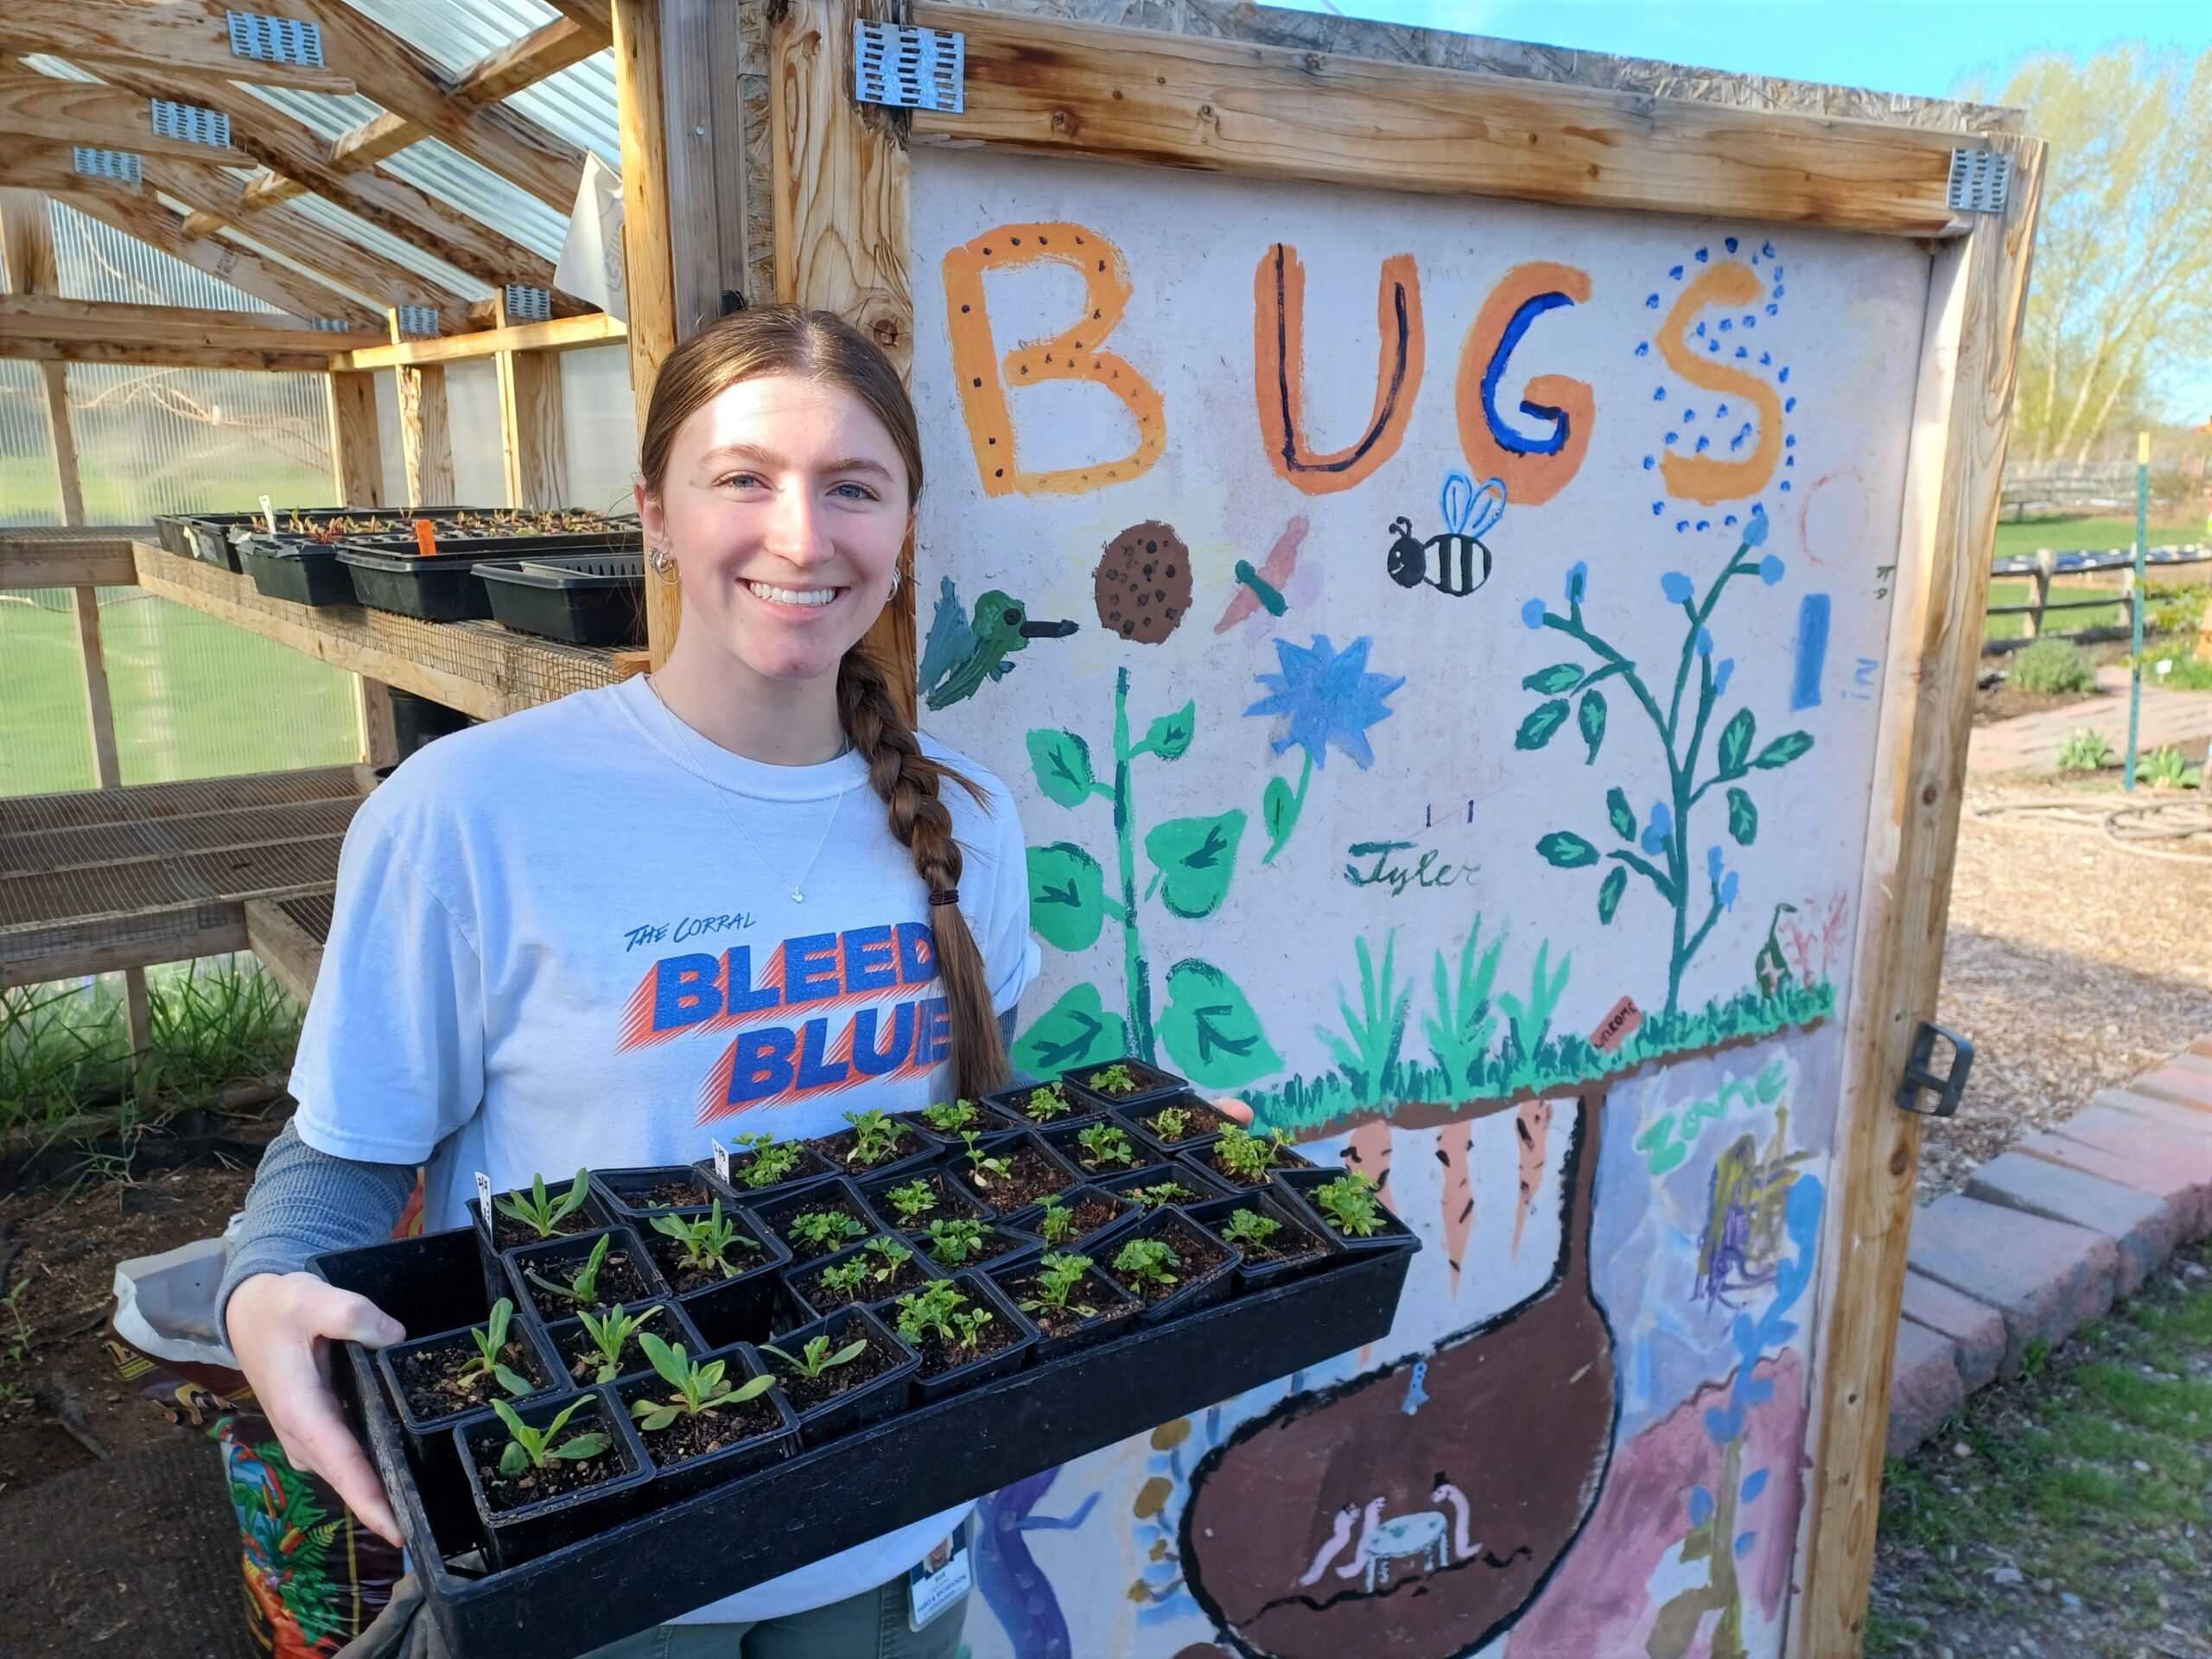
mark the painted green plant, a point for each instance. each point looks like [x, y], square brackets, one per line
[1367, 1052]
[1458, 1032]
[1660, 850]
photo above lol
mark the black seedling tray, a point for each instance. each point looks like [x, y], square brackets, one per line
[1005, 1362]
[672, 1326]
[618, 1189]
[206, 537]
[1002, 1103]
[678, 1480]
[1067, 1139]
[956, 1204]
[1253, 1275]
[587, 598]
[291, 567]
[391, 573]
[170, 530]
[1296, 1186]
[1031, 1219]
[1203, 1184]
[533, 1529]
[1153, 1083]
[1203, 1290]
[1214, 1120]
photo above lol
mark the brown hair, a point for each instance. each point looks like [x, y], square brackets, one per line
[821, 346]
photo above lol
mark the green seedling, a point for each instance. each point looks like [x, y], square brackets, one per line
[1248, 1156]
[1348, 1203]
[848, 1279]
[539, 1212]
[491, 1340]
[533, 1448]
[584, 1287]
[698, 1388]
[875, 1137]
[950, 1117]
[890, 1256]
[1106, 1143]
[984, 1170]
[772, 1160]
[706, 1241]
[951, 1243]
[1171, 1124]
[1116, 1079]
[912, 1200]
[610, 1333]
[1147, 1262]
[1160, 1194]
[826, 1230]
[1047, 1102]
[1057, 1222]
[944, 1308]
[813, 1361]
[1059, 1277]
[1248, 1229]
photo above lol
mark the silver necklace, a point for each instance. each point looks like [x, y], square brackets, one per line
[799, 896]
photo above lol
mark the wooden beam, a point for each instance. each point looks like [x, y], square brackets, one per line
[593, 15]
[53, 383]
[1047, 87]
[43, 556]
[99, 707]
[646, 232]
[704, 116]
[356, 453]
[841, 205]
[193, 330]
[425, 445]
[378, 725]
[27, 263]
[556, 334]
[160, 228]
[533, 447]
[544, 51]
[40, 167]
[156, 35]
[409, 84]
[286, 948]
[89, 112]
[1969, 358]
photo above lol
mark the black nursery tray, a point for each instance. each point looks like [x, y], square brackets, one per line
[638, 1571]
[587, 598]
[391, 574]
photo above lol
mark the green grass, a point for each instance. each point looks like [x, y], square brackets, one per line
[64, 1048]
[2188, 673]
[2072, 535]
[2006, 590]
[194, 697]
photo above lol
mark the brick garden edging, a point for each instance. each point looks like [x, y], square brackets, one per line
[2047, 1234]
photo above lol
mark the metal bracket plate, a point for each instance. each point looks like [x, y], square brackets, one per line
[418, 318]
[909, 68]
[1921, 1076]
[191, 124]
[275, 39]
[1980, 181]
[528, 304]
[106, 163]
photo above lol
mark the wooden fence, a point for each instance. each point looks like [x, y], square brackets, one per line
[2046, 564]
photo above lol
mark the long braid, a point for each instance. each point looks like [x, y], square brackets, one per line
[909, 782]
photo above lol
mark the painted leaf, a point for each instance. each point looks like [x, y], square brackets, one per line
[1590, 714]
[1616, 809]
[1543, 720]
[1062, 762]
[1566, 850]
[1743, 818]
[1783, 750]
[1560, 676]
[1210, 1029]
[1279, 812]
[1075, 1031]
[1735, 751]
[1196, 857]
[1610, 892]
[1067, 896]
[1169, 737]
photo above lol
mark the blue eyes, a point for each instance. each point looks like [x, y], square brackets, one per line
[753, 480]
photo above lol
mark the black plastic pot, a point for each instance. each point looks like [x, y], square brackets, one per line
[513, 1537]
[954, 1202]
[1007, 1103]
[586, 599]
[533, 1362]
[592, 1216]
[207, 536]
[755, 1310]
[927, 1149]
[169, 532]
[1126, 1215]
[981, 1287]
[1201, 1161]
[1253, 1275]
[813, 1169]
[1160, 1146]
[417, 721]
[622, 1193]
[1153, 1083]
[855, 1408]
[434, 1281]
[1117, 1309]
[677, 1480]
[836, 1193]
[391, 573]
[1067, 1139]
[1005, 1144]
[1203, 1184]
[290, 568]
[671, 1326]
[1295, 1186]
[985, 1123]
[1177, 1230]
[558, 1259]
[804, 1283]
[771, 1258]
[1003, 1244]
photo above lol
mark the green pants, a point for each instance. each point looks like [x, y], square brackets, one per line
[871, 1625]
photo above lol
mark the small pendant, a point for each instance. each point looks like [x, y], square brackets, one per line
[797, 898]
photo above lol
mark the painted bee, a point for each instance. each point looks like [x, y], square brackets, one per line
[1449, 562]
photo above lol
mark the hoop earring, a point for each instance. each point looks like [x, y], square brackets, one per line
[662, 566]
[898, 580]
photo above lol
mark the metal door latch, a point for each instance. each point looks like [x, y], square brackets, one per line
[1921, 1076]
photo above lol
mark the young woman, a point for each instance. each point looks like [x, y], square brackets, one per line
[738, 895]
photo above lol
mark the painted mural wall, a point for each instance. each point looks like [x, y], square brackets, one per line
[1435, 645]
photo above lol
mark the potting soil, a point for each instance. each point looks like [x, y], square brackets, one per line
[1058, 1321]
[804, 1393]
[1154, 1196]
[559, 1476]
[1030, 1178]
[939, 1355]
[805, 1249]
[908, 1275]
[744, 1255]
[580, 1357]
[431, 1376]
[509, 1234]
[619, 1281]
[1288, 1244]
[1199, 1254]
[671, 1195]
[1201, 1121]
[1091, 1164]
[838, 1149]
[943, 1207]
[1090, 1215]
[711, 1431]
[1065, 1108]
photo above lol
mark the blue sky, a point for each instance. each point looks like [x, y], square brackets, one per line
[1924, 47]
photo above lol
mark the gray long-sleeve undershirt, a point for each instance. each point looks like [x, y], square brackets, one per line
[305, 1203]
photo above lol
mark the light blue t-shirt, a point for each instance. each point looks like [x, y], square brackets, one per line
[555, 946]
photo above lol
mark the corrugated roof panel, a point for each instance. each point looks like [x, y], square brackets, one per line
[378, 240]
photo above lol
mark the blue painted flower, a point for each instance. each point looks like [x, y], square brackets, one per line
[1578, 582]
[1533, 613]
[1324, 696]
[1771, 568]
[1705, 642]
[1755, 531]
[1713, 864]
[1728, 890]
[1721, 670]
[1676, 586]
[1662, 825]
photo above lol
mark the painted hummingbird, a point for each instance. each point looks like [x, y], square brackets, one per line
[962, 652]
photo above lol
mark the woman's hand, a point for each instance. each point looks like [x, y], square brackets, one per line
[280, 1327]
[1230, 1106]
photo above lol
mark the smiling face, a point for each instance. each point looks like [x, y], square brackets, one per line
[783, 505]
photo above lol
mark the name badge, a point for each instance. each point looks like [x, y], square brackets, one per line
[938, 1580]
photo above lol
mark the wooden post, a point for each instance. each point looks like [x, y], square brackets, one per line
[701, 56]
[840, 201]
[646, 234]
[2046, 563]
[532, 444]
[425, 447]
[356, 454]
[1969, 357]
